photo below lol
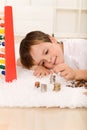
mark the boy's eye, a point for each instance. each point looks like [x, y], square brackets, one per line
[46, 52]
[43, 63]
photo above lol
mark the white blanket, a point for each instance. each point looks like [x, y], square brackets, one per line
[23, 93]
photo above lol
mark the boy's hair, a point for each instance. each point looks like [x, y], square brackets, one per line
[32, 38]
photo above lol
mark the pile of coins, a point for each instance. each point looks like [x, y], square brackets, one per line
[52, 79]
[78, 83]
[43, 86]
[56, 86]
[37, 84]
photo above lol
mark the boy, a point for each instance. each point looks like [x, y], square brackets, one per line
[43, 54]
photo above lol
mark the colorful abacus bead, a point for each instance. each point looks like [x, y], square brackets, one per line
[2, 66]
[1, 37]
[2, 31]
[2, 25]
[3, 72]
[2, 43]
[2, 55]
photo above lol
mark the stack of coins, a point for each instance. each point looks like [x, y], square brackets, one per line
[43, 87]
[52, 78]
[37, 84]
[78, 83]
[57, 87]
[81, 83]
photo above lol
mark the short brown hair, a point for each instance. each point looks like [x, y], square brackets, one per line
[32, 38]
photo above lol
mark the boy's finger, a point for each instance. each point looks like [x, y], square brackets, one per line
[59, 69]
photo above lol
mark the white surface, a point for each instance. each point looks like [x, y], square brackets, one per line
[22, 93]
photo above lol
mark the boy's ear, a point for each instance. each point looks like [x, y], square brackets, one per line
[53, 40]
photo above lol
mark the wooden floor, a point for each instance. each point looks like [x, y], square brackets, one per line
[43, 119]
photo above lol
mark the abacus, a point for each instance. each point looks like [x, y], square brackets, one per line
[7, 53]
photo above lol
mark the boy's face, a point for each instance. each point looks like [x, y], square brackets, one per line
[47, 54]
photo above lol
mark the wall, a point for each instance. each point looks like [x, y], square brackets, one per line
[64, 18]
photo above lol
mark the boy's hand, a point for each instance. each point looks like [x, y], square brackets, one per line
[65, 71]
[41, 71]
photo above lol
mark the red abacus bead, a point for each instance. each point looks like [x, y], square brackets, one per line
[2, 25]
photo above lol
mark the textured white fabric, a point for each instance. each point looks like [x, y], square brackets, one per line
[23, 93]
[75, 53]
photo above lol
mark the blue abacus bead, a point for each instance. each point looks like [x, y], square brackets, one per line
[3, 43]
[3, 72]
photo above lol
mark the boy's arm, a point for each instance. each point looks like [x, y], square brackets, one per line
[70, 73]
[81, 75]
[40, 71]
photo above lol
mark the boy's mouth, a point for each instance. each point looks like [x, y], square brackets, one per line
[55, 60]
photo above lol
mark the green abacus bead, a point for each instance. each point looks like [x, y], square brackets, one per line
[2, 67]
[1, 37]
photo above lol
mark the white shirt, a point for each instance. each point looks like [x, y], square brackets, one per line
[75, 53]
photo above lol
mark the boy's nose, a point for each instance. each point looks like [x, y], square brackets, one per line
[49, 59]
